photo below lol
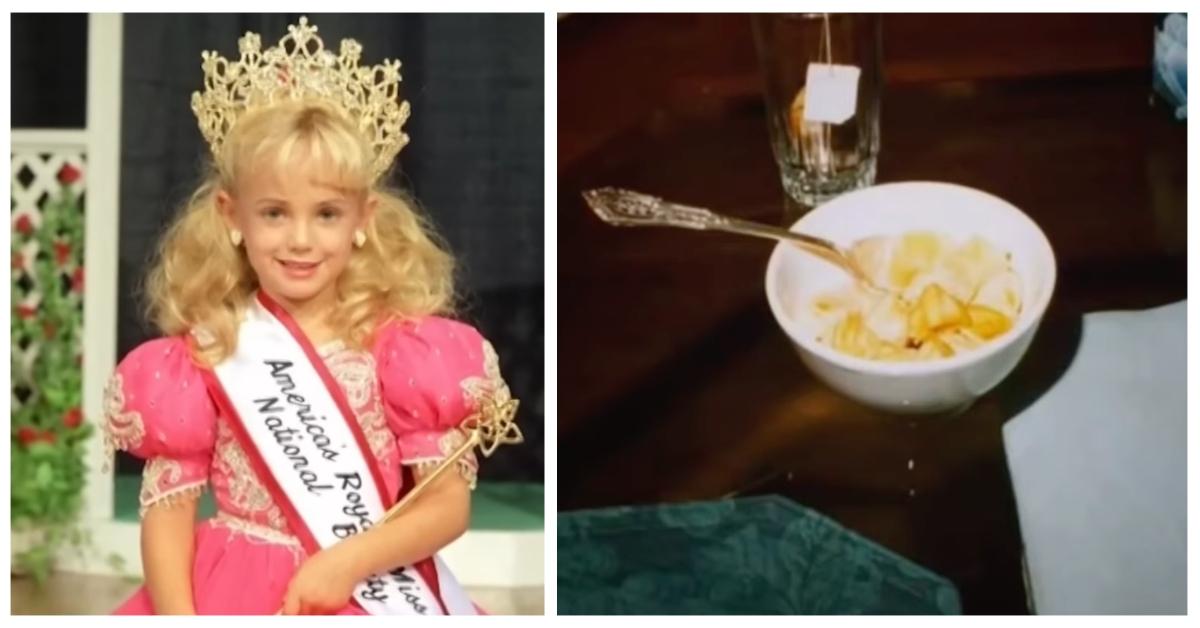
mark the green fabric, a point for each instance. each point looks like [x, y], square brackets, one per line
[760, 555]
[508, 506]
[495, 506]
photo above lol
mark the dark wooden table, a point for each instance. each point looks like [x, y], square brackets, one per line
[675, 382]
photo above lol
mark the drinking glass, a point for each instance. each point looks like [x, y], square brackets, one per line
[822, 77]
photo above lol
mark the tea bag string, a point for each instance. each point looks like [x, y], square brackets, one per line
[825, 146]
[828, 38]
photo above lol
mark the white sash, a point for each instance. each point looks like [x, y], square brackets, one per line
[305, 444]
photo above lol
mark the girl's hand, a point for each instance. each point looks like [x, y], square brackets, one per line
[323, 584]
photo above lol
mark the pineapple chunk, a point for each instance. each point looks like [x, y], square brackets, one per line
[1001, 292]
[962, 339]
[914, 254]
[988, 323]
[934, 311]
[871, 256]
[943, 349]
[852, 336]
[973, 263]
[888, 318]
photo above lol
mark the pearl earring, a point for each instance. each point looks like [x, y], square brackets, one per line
[360, 238]
[235, 237]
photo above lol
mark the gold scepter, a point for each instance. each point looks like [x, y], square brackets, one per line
[491, 426]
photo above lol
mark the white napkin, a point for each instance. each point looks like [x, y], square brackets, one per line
[1099, 468]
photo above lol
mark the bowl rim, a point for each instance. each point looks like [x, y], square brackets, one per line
[1033, 312]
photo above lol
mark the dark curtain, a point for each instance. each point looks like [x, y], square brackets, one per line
[474, 162]
[49, 71]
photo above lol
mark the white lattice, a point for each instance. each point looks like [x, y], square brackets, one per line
[44, 167]
[36, 172]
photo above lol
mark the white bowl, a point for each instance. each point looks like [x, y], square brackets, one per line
[794, 277]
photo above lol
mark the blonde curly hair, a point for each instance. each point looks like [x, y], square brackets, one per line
[199, 281]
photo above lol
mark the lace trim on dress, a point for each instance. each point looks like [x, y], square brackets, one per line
[178, 495]
[468, 465]
[122, 429]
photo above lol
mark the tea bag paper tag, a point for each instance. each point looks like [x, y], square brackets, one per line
[832, 92]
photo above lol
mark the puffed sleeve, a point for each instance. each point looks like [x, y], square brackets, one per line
[436, 373]
[158, 409]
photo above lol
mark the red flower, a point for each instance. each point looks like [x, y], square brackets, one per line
[49, 330]
[68, 174]
[62, 253]
[18, 261]
[26, 311]
[27, 435]
[24, 224]
[72, 418]
[48, 437]
[77, 281]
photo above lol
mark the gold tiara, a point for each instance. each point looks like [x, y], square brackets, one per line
[299, 69]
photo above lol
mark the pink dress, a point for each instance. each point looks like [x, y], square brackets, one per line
[421, 379]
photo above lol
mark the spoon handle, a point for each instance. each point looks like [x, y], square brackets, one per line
[633, 209]
[812, 243]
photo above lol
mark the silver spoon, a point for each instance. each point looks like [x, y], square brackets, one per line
[627, 208]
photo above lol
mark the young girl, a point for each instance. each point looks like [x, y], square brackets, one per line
[304, 375]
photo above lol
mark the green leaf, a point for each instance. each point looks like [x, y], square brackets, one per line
[54, 396]
[44, 475]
